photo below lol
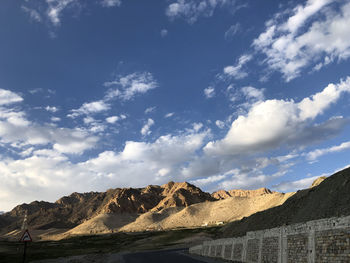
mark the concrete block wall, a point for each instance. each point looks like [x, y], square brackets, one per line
[321, 241]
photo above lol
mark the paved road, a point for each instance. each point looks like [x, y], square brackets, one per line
[165, 256]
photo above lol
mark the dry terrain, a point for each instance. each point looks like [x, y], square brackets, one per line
[153, 208]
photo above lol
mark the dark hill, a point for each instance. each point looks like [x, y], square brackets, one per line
[331, 198]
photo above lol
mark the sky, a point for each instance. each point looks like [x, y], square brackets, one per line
[224, 94]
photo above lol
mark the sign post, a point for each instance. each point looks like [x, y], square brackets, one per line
[25, 239]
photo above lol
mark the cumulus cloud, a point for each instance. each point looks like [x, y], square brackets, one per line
[48, 174]
[146, 128]
[312, 156]
[90, 108]
[271, 123]
[112, 119]
[8, 97]
[127, 87]
[253, 93]
[220, 124]
[209, 92]
[313, 35]
[237, 71]
[45, 151]
[64, 140]
[191, 10]
[17, 131]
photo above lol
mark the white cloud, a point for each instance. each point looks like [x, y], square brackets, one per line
[319, 152]
[292, 45]
[55, 119]
[209, 180]
[146, 128]
[253, 93]
[76, 142]
[90, 108]
[191, 10]
[150, 110]
[111, 3]
[168, 115]
[239, 180]
[197, 126]
[209, 92]
[65, 140]
[270, 123]
[8, 97]
[47, 174]
[295, 185]
[19, 132]
[55, 8]
[127, 87]
[237, 71]
[51, 108]
[220, 124]
[164, 32]
[232, 31]
[33, 14]
[114, 119]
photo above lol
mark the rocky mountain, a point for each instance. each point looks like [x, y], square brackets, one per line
[177, 205]
[222, 194]
[328, 197]
[72, 210]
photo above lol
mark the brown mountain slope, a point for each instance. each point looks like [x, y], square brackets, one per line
[222, 194]
[72, 210]
[330, 198]
[195, 215]
[206, 213]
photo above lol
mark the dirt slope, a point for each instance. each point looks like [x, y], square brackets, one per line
[328, 199]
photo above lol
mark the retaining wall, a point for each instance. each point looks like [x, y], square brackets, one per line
[325, 240]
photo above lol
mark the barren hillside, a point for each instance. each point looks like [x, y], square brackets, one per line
[329, 197]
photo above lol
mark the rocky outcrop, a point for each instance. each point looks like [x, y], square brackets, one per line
[222, 194]
[181, 194]
[318, 181]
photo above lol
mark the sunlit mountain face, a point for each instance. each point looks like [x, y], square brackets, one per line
[224, 94]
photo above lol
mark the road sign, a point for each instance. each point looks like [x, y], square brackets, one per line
[26, 237]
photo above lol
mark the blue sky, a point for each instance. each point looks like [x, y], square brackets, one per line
[221, 93]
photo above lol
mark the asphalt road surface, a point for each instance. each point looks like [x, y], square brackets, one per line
[165, 256]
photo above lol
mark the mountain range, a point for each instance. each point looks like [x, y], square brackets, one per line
[177, 205]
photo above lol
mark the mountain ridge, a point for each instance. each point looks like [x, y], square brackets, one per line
[154, 207]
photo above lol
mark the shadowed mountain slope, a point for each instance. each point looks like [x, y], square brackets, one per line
[330, 198]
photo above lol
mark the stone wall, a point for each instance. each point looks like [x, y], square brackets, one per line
[321, 241]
